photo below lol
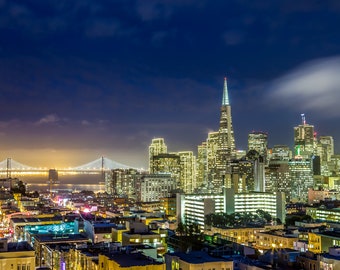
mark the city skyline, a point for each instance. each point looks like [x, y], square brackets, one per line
[82, 80]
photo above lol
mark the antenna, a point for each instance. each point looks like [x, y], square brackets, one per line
[303, 119]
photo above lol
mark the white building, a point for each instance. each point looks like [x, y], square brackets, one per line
[192, 208]
[152, 187]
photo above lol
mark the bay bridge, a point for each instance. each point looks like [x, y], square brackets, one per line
[11, 167]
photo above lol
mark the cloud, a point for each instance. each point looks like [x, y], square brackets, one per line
[48, 119]
[85, 123]
[163, 9]
[103, 28]
[313, 86]
[233, 37]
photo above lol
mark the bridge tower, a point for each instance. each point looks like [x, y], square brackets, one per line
[9, 168]
[102, 169]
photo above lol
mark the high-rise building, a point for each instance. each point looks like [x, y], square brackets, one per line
[278, 177]
[325, 150]
[211, 149]
[242, 175]
[301, 175]
[121, 182]
[248, 173]
[258, 140]
[167, 163]
[202, 166]
[225, 146]
[304, 140]
[188, 171]
[156, 147]
[152, 187]
[280, 152]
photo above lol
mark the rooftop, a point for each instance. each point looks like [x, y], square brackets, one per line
[19, 246]
[196, 257]
[31, 219]
[132, 259]
[52, 238]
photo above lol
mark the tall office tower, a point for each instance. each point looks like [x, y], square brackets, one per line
[258, 140]
[259, 174]
[156, 147]
[301, 175]
[278, 177]
[153, 187]
[242, 175]
[201, 166]
[169, 163]
[280, 152]
[225, 151]
[188, 171]
[304, 139]
[212, 145]
[325, 149]
[121, 182]
[248, 173]
[334, 165]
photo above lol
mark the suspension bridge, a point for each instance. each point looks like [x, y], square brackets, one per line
[11, 167]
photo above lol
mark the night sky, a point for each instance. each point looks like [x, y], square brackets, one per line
[84, 79]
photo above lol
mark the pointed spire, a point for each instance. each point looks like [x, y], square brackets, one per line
[225, 100]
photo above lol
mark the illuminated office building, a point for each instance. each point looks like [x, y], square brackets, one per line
[187, 171]
[156, 147]
[242, 175]
[280, 152]
[180, 165]
[152, 187]
[304, 140]
[248, 173]
[325, 150]
[167, 163]
[211, 150]
[121, 182]
[249, 202]
[278, 177]
[192, 208]
[258, 141]
[334, 165]
[221, 148]
[226, 150]
[202, 166]
[301, 175]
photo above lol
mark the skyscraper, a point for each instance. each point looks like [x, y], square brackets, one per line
[156, 147]
[258, 140]
[188, 171]
[201, 167]
[225, 151]
[301, 176]
[325, 149]
[304, 140]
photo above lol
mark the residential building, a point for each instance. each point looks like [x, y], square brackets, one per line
[16, 255]
[196, 260]
[275, 239]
